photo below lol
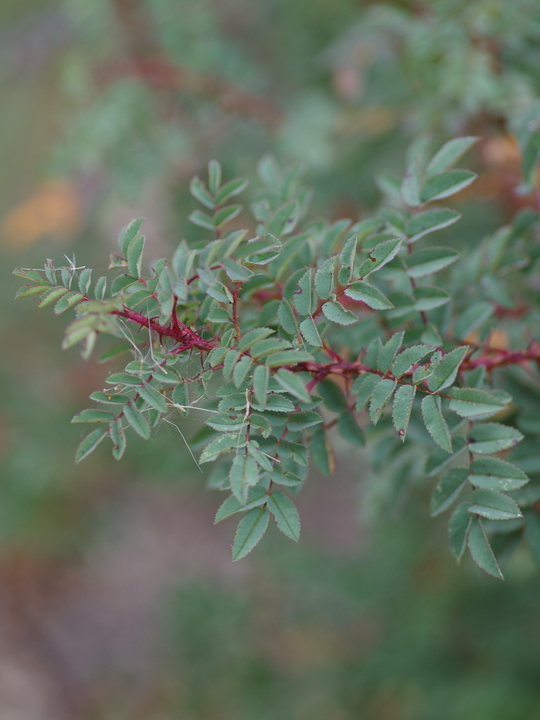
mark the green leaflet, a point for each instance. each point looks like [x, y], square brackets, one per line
[321, 452]
[276, 404]
[109, 398]
[220, 444]
[227, 422]
[127, 234]
[458, 529]
[447, 490]
[262, 348]
[446, 369]
[84, 280]
[243, 474]
[199, 191]
[214, 176]
[347, 257]
[67, 301]
[231, 358]
[324, 279]
[473, 317]
[260, 384]
[450, 154]
[93, 415]
[332, 395]
[387, 352]
[250, 530]
[481, 551]
[494, 505]
[285, 514]
[137, 421]
[89, 444]
[309, 331]
[51, 296]
[230, 189]
[435, 422]
[256, 497]
[28, 290]
[379, 256]
[293, 384]
[253, 336]
[289, 357]
[380, 398]
[118, 438]
[302, 298]
[286, 318]
[410, 187]
[350, 430]
[446, 184]
[241, 369]
[153, 397]
[336, 313]
[363, 388]
[430, 221]
[409, 357]
[494, 474]
[401, 411]
[426, 262]
[439, 459]
[471, 402]
[260, 250]
[489, 438]
[368, 294]
[134, 255]
[427, 297]
[222, 217]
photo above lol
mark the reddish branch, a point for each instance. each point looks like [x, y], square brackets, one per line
[496, 358]
[187, 338]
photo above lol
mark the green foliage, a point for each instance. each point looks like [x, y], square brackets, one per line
[272, 381]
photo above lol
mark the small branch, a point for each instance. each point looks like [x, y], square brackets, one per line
[181, 333]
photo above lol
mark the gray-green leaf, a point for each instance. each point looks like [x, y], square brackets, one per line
[435, 422]
[250, 530]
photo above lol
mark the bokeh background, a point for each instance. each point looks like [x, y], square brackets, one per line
[118, 598]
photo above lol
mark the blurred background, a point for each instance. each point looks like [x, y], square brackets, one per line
[118, 598]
